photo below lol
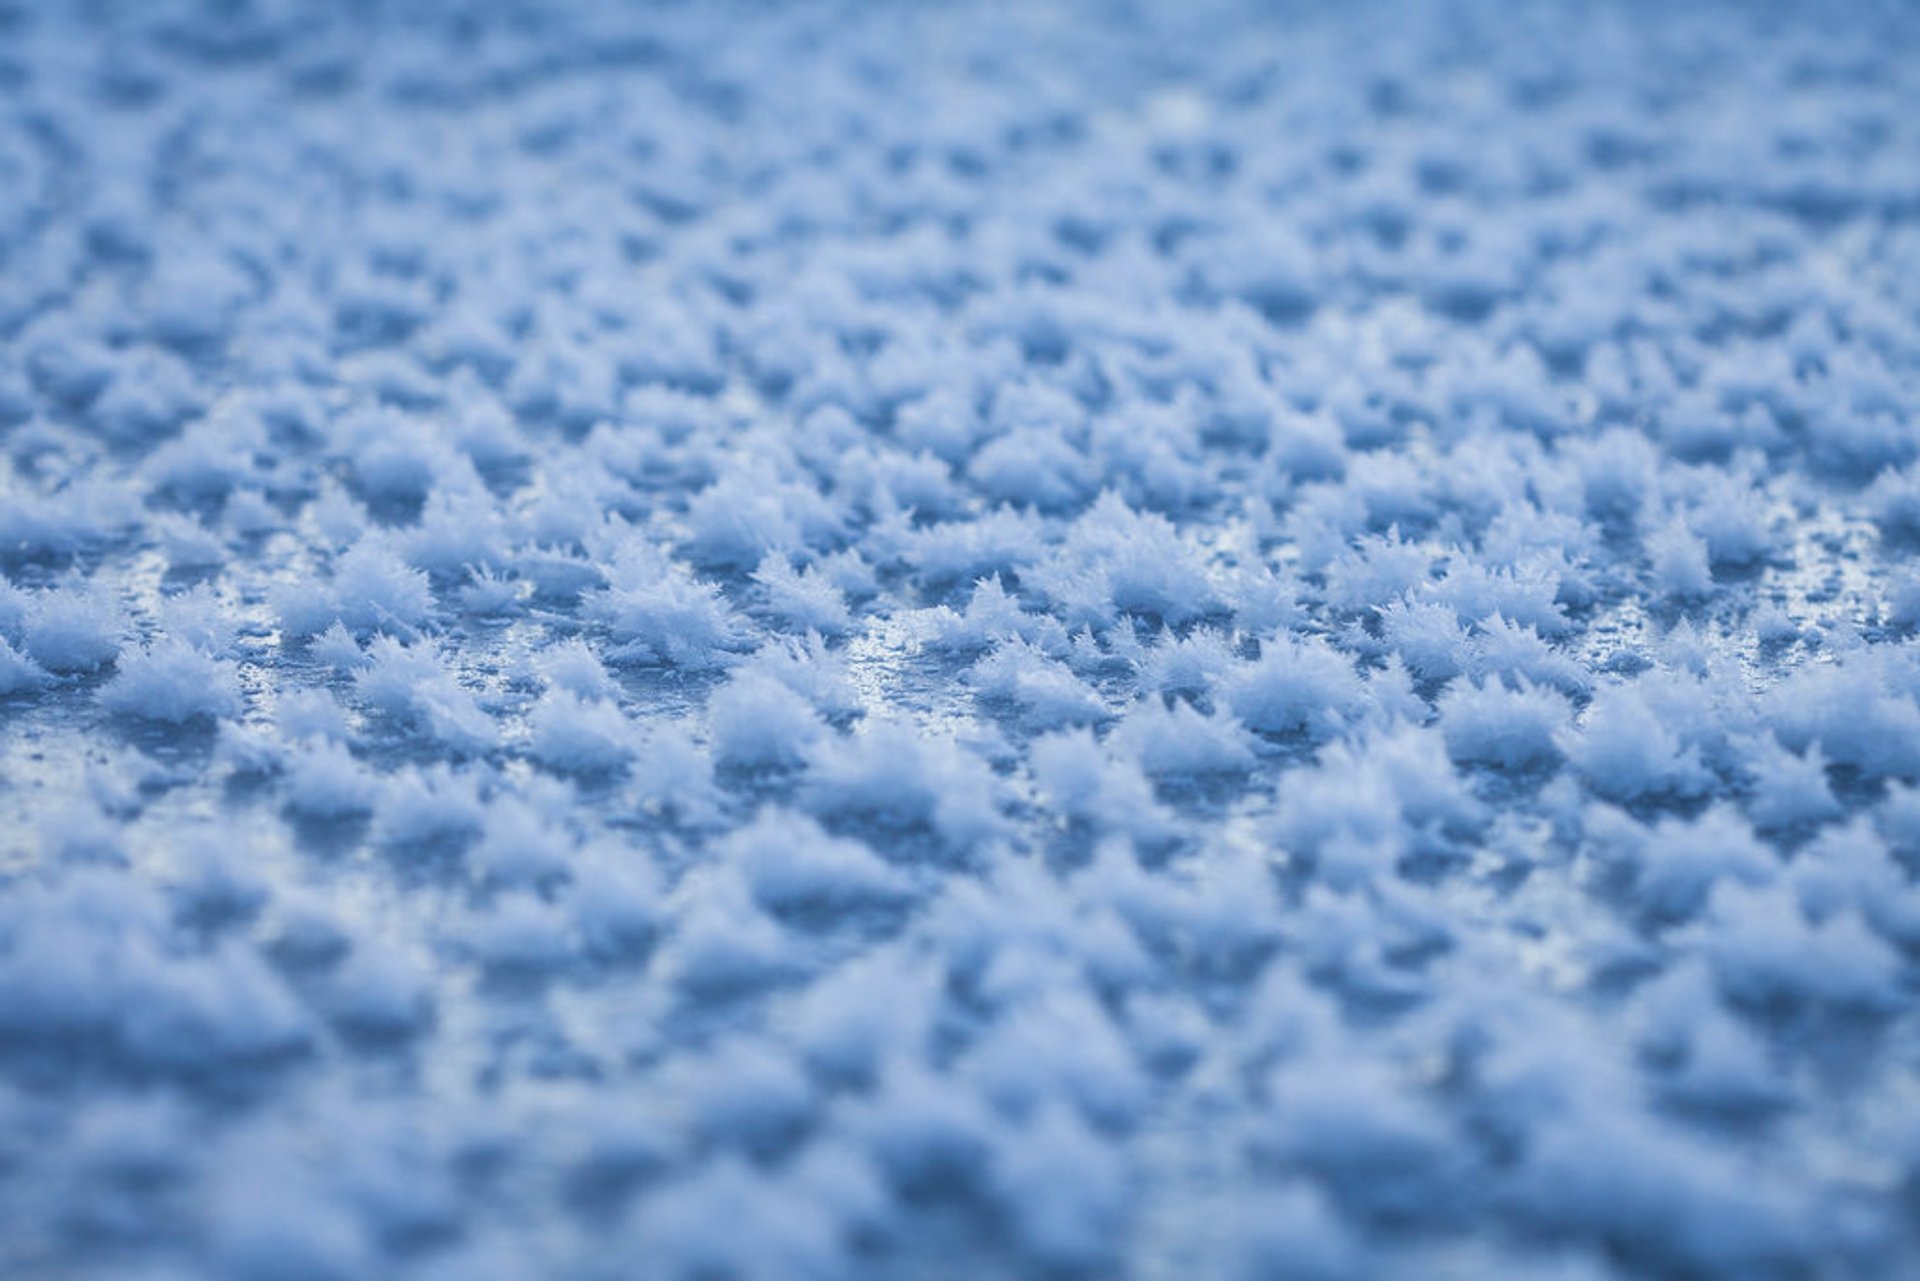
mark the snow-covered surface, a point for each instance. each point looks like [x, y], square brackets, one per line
[933, 641]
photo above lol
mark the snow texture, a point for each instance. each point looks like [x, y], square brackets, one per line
[1076, 640]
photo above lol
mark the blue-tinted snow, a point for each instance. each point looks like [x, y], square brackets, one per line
[1074, 640]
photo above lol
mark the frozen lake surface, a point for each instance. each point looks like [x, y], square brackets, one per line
[1077, 640]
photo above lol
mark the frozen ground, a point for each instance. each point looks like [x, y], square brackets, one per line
[959, 642]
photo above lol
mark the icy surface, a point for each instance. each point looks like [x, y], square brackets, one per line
[1056, 640]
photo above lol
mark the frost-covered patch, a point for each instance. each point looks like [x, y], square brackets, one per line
[1034, 641]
